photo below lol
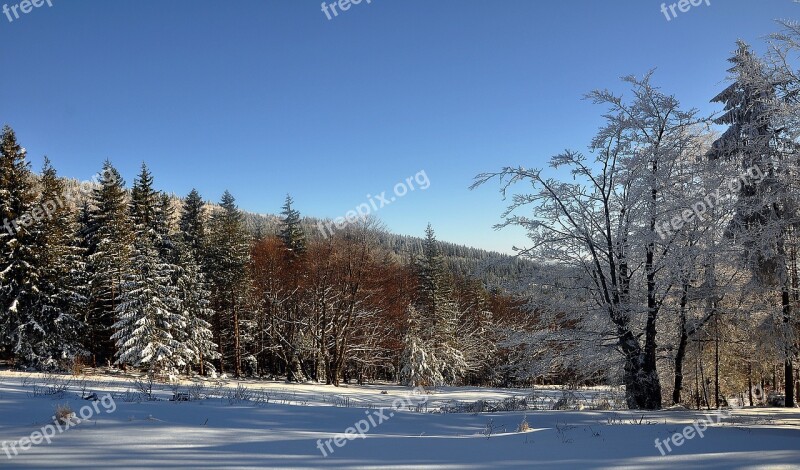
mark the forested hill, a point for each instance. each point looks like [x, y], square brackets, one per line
[493, 268]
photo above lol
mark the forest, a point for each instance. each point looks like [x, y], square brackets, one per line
[663, 260]
[98, 275]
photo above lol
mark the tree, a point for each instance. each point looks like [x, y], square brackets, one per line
[52, 330]
[420, 366]
[144, 332]
[783, 57]
[292, 232]
[272, 295]
[439, 313]
[109, 235]
[17, 258]
[228, 250]
[196, 338]
[605, 226]
[192, 224]
[144, 205]
[343, 280]
[294, 241]
[192, 285]
[151, 326]
[767, 214]
[475, 329]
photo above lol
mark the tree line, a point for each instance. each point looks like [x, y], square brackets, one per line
[135, 278]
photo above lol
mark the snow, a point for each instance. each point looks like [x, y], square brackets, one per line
[223, 433]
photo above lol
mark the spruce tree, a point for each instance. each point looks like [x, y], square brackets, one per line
[109, 238]
[192, 224]
[53, 331]
[419, 367]
[293, 238]
[145, 204]
[767, 216]
[439, 312]
[17, 258]
[292, 233]
[146, 312]
[151, 327]
[197, 338]
[183, 256]
[228, 254]
[434, 288]
[193, 286]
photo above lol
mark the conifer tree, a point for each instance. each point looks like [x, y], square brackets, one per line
[145, 205]
[109, 238]
[228, 254]
[439, 312]
[294, 241]
[767, 215]
[292, 233]
[193, 295]
[17, 259]
[147, 317]
[419, 366]
[151, 329]
[192, 224]
[53, 329]
[193, 286]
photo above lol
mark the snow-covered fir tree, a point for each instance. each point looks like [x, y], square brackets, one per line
[196, 338]
[767, 215]
[193, 287]
[109, 236]
[150, 323]
[419, 367]
[18, 267]
[438, 315]
[192, 224]
[227, 255]
[146, 312]
[53, 331]
[144, 205]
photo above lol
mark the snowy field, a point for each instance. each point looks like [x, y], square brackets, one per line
[276, 425]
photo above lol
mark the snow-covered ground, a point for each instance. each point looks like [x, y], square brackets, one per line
[275, 425]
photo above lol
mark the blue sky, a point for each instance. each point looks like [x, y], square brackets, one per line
[270, 97]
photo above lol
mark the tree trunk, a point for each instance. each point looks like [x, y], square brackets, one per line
[716, 361]
[789, 349]
[697, 376]
[774, 378]
[295, 369]
[642, 387]
[703, 380]
[218, 339]
[237, 353]
[651, 383]
[681, 353]
[649, 374]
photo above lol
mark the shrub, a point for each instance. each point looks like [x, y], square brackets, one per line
[64, 413]
[524, 426]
